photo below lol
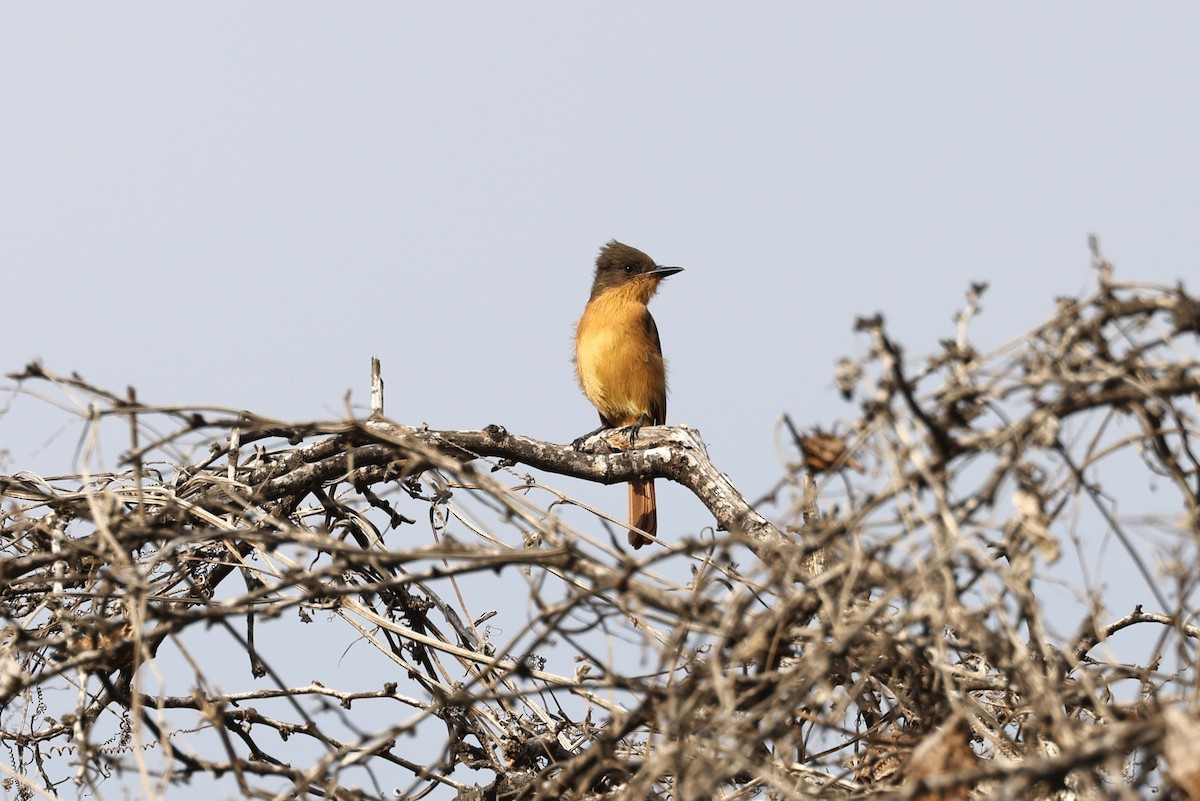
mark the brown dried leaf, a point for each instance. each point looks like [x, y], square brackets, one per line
[883, 761]
[1179, 748]
[825, 452]
[946, 750]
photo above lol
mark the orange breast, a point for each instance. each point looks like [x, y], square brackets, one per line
[619, 365]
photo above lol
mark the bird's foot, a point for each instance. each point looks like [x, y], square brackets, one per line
[634, 429]
[577, 444]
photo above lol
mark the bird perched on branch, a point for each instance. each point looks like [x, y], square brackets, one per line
[619, 361]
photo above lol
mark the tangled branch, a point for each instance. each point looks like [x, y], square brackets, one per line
[359, 608]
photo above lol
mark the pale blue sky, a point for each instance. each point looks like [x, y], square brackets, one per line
[241, 203]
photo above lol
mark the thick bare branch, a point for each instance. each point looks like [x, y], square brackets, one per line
[364, 609]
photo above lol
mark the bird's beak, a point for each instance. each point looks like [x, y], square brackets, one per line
[663, 272]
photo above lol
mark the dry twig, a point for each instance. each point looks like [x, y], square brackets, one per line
[900, 641]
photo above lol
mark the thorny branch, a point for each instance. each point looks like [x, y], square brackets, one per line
[253, 605]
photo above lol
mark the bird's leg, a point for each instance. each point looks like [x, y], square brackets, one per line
[635, 428]
[578, 443]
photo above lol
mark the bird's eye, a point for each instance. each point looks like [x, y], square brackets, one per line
[629, 268]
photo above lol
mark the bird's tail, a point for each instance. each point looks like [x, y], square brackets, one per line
[643, 512]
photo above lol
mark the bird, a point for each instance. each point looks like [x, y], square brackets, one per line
[619, 361]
